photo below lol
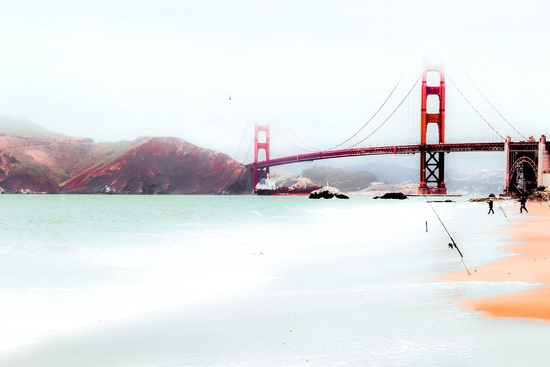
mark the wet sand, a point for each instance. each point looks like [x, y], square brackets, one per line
[529, 262]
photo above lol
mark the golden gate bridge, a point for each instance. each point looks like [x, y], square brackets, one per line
[527, 161]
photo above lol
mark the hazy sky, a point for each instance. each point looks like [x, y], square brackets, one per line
[115, 70]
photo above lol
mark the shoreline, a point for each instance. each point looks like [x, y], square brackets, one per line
[529, 261]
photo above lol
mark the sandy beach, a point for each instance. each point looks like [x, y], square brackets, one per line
[530, 262]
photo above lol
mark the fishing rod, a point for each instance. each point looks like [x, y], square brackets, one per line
[523, 195]
[499, 206]
[545, 200]
[540, 200]
[453, 243]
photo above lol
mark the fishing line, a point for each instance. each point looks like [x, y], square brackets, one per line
[453, 244]
[541, 200]
[239, 148]
[545, 201]
[499, 206]
[522, 194]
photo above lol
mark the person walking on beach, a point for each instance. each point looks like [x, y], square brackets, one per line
[490, 202]
[522, 202]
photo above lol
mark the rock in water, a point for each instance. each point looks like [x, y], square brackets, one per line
[327, 192]
[392, 195]
[107, 190]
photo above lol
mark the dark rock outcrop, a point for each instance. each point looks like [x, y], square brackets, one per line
[327, 192]
[392, 195]
[25, 183]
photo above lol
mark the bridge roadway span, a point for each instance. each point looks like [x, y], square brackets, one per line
[395, 149]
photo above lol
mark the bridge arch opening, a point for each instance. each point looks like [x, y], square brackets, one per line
[262, 136]
[523, 175]
[262, 155]
[433, 78]
[432, 134]
[432, 103]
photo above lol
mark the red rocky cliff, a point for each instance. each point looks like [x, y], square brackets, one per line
[163, 166]
[41, 161]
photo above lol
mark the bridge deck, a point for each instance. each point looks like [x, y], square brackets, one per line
[396, 149]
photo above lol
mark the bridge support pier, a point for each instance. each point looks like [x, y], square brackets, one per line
[544, 162]
[432, 172]
[526, 165]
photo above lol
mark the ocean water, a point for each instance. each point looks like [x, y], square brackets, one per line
[250, 281]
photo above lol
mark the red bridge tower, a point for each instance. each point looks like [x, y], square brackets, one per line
[260, 143]
[432, 164]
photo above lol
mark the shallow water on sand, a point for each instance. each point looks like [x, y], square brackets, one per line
[249, 281]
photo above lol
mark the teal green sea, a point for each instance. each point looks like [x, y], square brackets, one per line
[246, 281]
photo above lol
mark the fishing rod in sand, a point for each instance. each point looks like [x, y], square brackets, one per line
[545, 201]
[453, 243]
[499, 206]
[491, 191]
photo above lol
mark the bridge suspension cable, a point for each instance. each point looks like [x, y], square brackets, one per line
[301, 141]
[479, 114]
[373, 116]
[395, 110]
[248, 152]
[291, 143]
[490, 104]
[239, 148]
